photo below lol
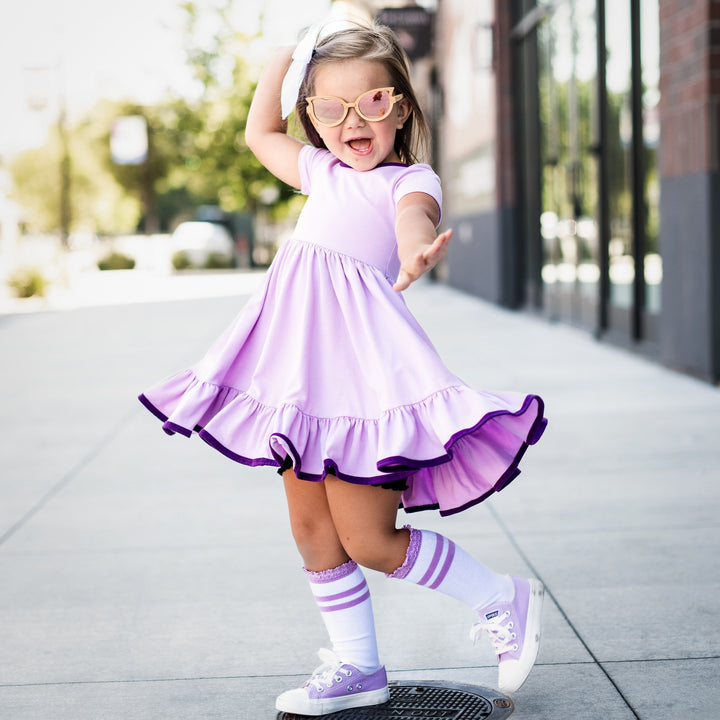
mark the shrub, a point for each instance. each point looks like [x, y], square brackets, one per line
[26, 282]
[181, 261]
[216, 261]
[116, 261]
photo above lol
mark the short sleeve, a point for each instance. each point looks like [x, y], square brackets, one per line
[418, 178]
[309, 161]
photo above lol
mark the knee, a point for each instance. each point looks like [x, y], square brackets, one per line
[383, 554]
[312, 531]
[318, 542]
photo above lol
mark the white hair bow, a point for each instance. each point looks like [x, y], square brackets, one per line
[296, 72]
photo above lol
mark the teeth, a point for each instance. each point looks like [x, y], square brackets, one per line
[360, 144]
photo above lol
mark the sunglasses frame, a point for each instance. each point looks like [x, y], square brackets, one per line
[355, 105]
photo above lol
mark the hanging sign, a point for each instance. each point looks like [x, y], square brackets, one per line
[413, 27]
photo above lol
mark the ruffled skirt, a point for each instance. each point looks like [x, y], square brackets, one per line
[326, 366]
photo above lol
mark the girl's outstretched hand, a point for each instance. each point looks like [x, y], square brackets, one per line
[423, 261]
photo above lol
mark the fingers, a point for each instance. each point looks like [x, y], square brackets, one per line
[438, 249]
[423, 261]
[403, 281]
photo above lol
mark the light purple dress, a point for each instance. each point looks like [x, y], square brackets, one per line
[326, 366]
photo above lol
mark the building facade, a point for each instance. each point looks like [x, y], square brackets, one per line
[579, 146]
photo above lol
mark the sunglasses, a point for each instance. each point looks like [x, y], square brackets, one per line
[373, 105]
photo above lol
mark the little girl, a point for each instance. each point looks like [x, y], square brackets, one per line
[327, 376]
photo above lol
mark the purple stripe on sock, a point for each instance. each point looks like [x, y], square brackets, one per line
[439, 542]
[349, 604]
[446, 565]
[352, 591]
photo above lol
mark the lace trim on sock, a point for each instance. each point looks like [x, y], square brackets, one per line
[411, 556]
[337, 573]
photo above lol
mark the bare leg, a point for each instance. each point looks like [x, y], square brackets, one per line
[312, 524]
[337, 584]
[364, 518]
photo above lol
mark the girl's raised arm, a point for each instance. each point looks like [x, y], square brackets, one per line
[266, 131]
[419, 248]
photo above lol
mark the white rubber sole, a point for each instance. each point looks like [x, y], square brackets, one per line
[297, 701]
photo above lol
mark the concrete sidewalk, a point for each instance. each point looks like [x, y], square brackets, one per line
[147, 577]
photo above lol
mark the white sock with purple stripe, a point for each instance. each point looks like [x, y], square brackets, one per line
[343, 596]
[436, 562]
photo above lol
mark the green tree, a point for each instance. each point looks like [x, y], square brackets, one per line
[97, 202]
[216, 164]
[141, 181]
[196, 150]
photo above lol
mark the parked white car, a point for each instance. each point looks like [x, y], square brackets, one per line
[204, 243]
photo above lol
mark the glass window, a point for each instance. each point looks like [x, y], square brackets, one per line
[650, 34]
[568, 224]
[619, 152]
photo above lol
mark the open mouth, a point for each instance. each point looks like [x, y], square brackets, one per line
[361, 146]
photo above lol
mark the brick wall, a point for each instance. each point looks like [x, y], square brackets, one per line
[690, 86]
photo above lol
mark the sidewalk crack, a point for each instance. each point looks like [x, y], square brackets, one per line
[67, 478]
[549, 593]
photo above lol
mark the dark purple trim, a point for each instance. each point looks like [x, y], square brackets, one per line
[143, 399]
[420, 508]
[460, 508]
[400, 463]
[217, 445]
[401, 466]
[330, 467]
[171, 428]
[382, 164]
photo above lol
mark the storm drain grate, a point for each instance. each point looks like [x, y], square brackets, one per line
[429, 701]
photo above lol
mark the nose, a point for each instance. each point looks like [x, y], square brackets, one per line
[353, 118]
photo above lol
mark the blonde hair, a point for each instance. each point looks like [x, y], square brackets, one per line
[377, 43]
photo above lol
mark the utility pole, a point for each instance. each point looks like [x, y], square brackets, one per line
[38, 91]
[65, 182]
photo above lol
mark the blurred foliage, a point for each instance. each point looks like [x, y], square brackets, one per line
[181, 260]
[27, 282]
[116, 261]
[214, 261]
[96, 200]
[196, 149]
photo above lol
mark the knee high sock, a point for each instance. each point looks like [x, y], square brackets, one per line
[343, 597]
[436, 562]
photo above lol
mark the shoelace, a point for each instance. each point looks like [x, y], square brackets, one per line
[330, 671]
[500, 631]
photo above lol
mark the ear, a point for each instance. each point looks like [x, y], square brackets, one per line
[404, 111]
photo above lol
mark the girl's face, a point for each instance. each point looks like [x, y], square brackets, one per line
[357, 142]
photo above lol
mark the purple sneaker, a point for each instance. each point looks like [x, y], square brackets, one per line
[514, 629]
[334, 686]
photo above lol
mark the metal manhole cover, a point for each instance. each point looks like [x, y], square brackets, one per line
[429, 701]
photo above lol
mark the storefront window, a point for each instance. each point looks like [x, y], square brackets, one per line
[651, 135]
[568, 221]
[594, 159]
[619, 152]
